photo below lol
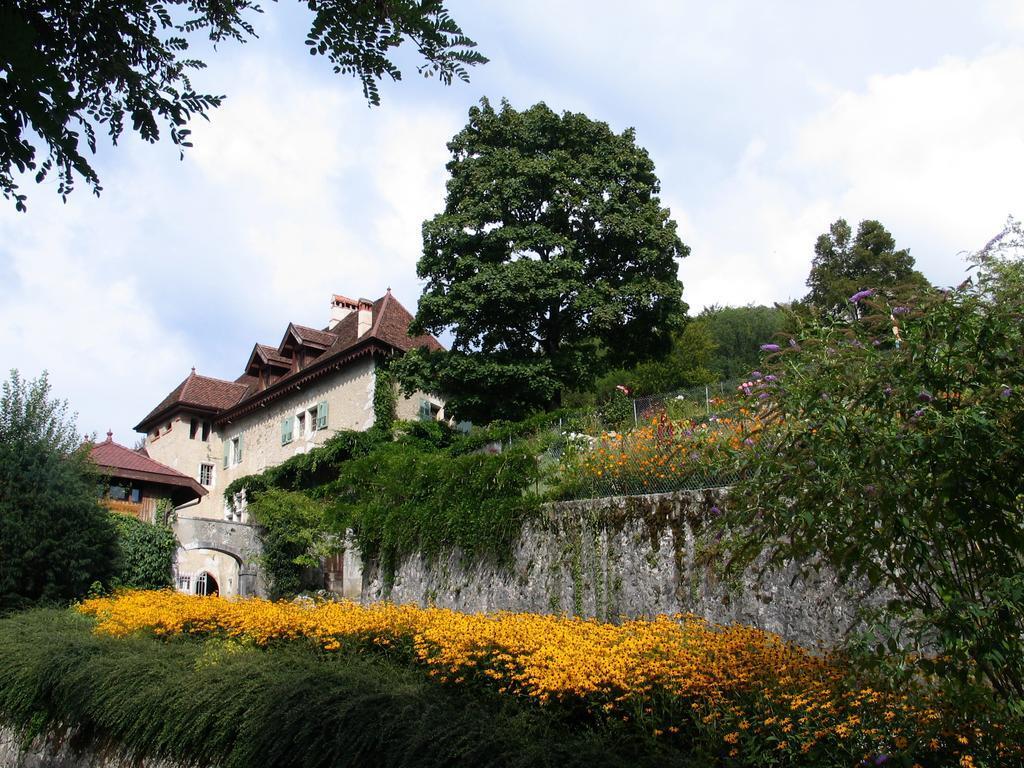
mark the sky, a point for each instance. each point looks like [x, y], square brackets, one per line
[766, 122]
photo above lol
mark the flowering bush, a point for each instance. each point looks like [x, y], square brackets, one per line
[896, 453]
[662, 454]
[738, 694]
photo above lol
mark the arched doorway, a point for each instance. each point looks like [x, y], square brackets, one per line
[206, 584]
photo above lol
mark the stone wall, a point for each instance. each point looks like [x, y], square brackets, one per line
[620, 558]
[68, 748]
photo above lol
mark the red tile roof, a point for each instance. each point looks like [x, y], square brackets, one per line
[200, 392]
[116, 460]
[271, 355]
[324, 338]
[389, 330]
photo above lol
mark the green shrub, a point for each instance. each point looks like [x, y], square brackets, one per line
[55, 538]
[898, 458]
[228, 704]
[145, 553]
[295, 536]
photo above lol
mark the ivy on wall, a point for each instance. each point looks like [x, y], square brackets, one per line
[145, 552]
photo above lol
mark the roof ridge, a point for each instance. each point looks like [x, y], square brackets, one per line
[385, 301]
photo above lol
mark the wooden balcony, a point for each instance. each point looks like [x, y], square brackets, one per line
[143, 510]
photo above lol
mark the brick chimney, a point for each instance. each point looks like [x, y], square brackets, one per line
[365, 316]
[341, 307]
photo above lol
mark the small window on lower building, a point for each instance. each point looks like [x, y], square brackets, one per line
[206, 474]
[302, 424]
[136, 495]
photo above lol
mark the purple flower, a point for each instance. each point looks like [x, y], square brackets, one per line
[748, 441]
[716, 511]
[876, 342]
[762, 396]
[887, 391]
[861, 295]
[769, 347]
[881, 759]
[755, 374]
[900, 310]
[792, 342]
[771, 377]
[1007, 391]
[856, 343]
[870, 490]
[918, 414]
[925, 396]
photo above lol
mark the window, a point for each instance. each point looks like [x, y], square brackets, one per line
[185, 583]
[168, 428]
[206, 474]
[232, 451]
[124, 493]
[302, 424]
[193, 428]
[429, 411]
[321, 415]
[286, 431]
[206, 431]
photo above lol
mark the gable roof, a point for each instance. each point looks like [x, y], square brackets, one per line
[323, 338]
[201, 393]
[116, 460]
[388, 334]
[268, 354]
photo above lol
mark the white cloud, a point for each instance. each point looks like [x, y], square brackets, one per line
[934, 154]
[70, 310]
[293, 190]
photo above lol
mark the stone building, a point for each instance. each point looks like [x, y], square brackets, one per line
[289, 398]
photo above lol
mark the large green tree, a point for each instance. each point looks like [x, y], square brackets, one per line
[71, 68]
[55, 538]
[552, 262]
[845, 264]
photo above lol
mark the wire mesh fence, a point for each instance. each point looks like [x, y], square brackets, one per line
[690, 439]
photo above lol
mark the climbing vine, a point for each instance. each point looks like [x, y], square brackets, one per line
[384, 401]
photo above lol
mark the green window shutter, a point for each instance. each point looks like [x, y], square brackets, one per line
[321, 415]
[238, 458]
[424, 410]
[286, 431]
[227, 448]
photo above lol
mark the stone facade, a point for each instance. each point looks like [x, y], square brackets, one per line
[289, 400]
